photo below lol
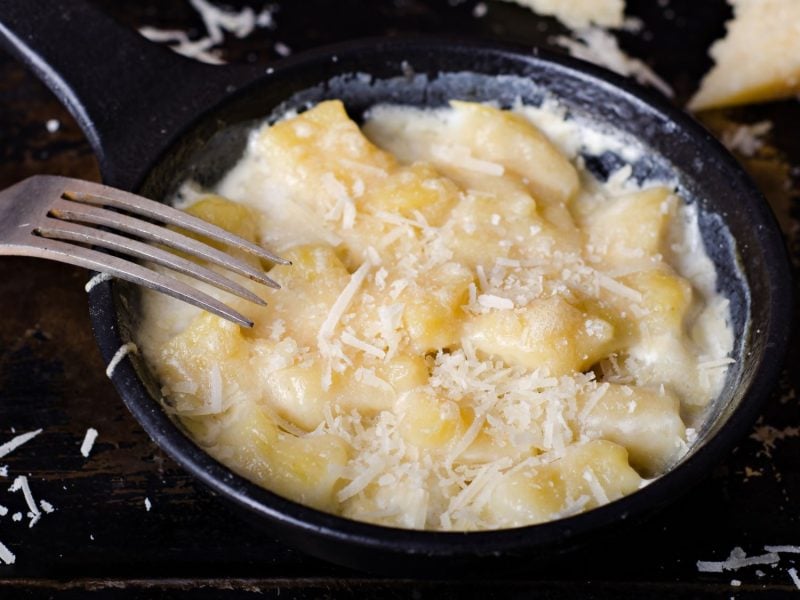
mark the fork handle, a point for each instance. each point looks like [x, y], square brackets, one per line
[130, 96]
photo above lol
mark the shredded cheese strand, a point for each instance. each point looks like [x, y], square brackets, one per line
[15, 443]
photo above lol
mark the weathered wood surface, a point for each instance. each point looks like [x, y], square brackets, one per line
[101, 539]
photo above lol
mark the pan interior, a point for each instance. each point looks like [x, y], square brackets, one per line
[668, 152]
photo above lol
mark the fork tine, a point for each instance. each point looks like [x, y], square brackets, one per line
[130, 271]
[65, 230]
[100, 195]
[72, 211]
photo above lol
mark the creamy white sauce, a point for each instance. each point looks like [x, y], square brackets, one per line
[412, 492]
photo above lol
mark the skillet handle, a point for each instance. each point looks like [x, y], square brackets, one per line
[130, 96]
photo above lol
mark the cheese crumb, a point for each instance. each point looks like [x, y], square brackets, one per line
[147, 504]
[217, 21]
[88, 441]
[282, 49]
[353, 341]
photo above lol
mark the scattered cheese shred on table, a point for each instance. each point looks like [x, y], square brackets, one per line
[492, 301]
[15, 443]
[746, 139]
[217, 22]
[147, 504]
[598, 46]
[795, 579]
[783, 549]
[88, 441]
[6, 556]
[4, 471]
[120, 354]
[737, 559]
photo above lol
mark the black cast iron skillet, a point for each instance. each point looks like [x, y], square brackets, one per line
[154, 119]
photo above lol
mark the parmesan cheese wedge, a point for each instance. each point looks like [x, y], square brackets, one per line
[758, 61]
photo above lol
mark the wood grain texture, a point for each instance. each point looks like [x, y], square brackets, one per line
[102, 542]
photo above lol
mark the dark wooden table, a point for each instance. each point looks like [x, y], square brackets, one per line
[101, 541]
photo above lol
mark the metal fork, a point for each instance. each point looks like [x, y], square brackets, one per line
[42, 214]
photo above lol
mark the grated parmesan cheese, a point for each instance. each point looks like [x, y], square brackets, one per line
[615, 287]
[181, 43]
[492, 301]
[217, 22]
[795, 579]
[360, 481]
[215, 390]
[782, 549]
[123, 351]
[21, 484]
[738, 559]
[351, 340]
[343, 301]
[88, 442]
[97, 280]
[598, 492]
[329, 349]
[6, 556]
[461, 157]
[600, 47]
[15, 443]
